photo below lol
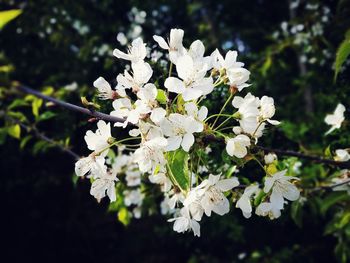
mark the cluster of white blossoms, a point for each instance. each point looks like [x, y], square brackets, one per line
[168, 125]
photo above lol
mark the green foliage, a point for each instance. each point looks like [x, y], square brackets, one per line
[161, 96]
[7, 16]
[342, 54]
[178, 168]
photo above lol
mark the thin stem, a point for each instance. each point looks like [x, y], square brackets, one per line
[223, 123]
[217, 115]
[222, 109]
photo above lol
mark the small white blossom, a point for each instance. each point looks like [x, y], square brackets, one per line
[212, 197]
[244, 202]
[133, 197]
[281, 188]
[174, 46]
[237, 146]
[192, 83]
[184, 223]
[89, 166]
[270, 158]
[268, 209]
[151, 154]
[136, 53]
[342, 155]
[104, 184]
[335, 119]
[98, 141]
[237, 75]
[179, 129]
[105, 91]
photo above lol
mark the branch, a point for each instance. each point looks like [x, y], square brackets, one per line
[43, 137]
[106, 117]
[96, 114]
[316, 159]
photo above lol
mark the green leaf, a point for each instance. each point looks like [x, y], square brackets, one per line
[266, 66]
[332, 199]
[36, 104]
[46, 116]
[124, 216]
[14, 131]
[7, 16]
[161, 96]
[327, 152]
[24, 141]
[3, 134]
[342, 54]
[231, 171]
[296, 213]
[17, 103]
[178, 168]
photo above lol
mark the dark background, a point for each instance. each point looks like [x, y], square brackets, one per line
[47, 217]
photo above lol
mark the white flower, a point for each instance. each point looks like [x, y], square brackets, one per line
[133, 177]
[175, 46]
[270, 158]
[248, 112]
[192, 110]
[244, 202]
[104, 89]
[192, 83]
[281, 188]
[237, 75]
[184, 223]
[335, 119]
[161, 179]
[133, 197]
[267, 110]
[179, 129]
[141, 74]
[176, 197]
[165, 208]
[104, 184]
[237, 146]
[137, 212]
[90, 165]
[151, 154]
[196, 51]
[342, 155]
[212, 197]
[148, 95]
[268, 209]
[98, 141]
[122, 108]
[137, 52]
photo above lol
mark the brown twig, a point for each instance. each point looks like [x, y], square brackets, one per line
[96, 114]
[317, 159]
[106, 117]
[43, 137]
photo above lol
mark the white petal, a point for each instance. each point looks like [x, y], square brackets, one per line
[161, 42]
[184, 67]
[158, 115]
[191, 94]
[174, 85]
[173, 143]
[227, 184]
[292, 193]
[187, 141]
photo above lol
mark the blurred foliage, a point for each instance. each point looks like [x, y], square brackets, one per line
[293, 49]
